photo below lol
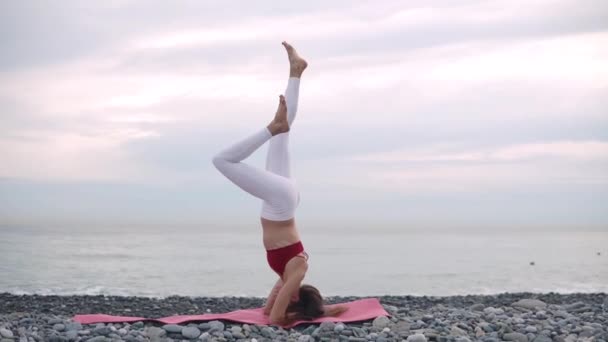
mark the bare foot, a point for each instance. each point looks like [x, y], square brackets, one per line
[297, 64]
[280, 123]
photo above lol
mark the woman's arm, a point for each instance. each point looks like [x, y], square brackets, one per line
[334, 310]
[272, 296]
[294, 273]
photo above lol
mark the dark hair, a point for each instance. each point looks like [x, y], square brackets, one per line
[310, 305]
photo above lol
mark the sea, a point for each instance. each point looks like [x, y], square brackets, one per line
[202, 261]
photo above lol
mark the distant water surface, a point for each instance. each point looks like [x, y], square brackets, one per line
[195, 262]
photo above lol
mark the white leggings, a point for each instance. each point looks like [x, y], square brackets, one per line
[274, 186]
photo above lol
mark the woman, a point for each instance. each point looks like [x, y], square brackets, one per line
[289, 300]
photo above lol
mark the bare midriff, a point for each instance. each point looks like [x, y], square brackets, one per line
[279, 234]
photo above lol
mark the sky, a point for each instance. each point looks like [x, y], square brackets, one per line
[447, 115]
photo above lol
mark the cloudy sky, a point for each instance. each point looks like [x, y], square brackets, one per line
[413, 114]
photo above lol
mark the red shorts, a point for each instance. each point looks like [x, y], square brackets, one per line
[278, 258]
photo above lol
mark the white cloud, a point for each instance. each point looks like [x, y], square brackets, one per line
[563, 150]
[452, 168]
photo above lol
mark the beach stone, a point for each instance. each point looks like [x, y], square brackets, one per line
[52, 321]
[456, 331]
[359, 332]
[531, 304]
[215, 326]
[73, 326]
[122, 331]
[6, 333]
[346, 332]
[305, 338]
[137, 325]
[190, 332]
[416, 338]
[531, 329]
[487, 327]
[59, 327]
[381, 322]
[327, 326]
[155, 332]
[391, 309]
[309, 330]
[339, 327]
[72, 335]
[99, 330]
[204, 326]
[542, 338]
[173, 328]
[477, 307]
[238, 335]
[493, 310]
[463, 339]
[269, 332]
[98, 339]
[26, 321]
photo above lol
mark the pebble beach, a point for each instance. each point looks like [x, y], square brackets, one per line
[517, 317]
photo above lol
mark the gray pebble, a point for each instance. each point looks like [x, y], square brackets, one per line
[531, 304]
[477, 307]
[464, 339]
[542, 338]
[190, 332]
[71, 335]
[416, 338]
[6, 333]
[269, 332]
[102, 330]
[59, 327]
[515, 336]
[381, 322]
[137, 325]
[238, 335]
[155, 332]
[531, 329]
[327, 326]
[216, 326]
[98, 339]
[173, 328]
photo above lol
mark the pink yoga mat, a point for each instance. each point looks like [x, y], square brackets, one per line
[358, 310]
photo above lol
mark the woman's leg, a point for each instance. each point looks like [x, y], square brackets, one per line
[278, 159]
[268, 186]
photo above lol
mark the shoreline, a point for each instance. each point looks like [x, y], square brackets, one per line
[522, 316]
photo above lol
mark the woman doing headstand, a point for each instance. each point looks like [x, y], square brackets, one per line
[289, 300]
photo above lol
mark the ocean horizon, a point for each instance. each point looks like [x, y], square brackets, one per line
[180, 260]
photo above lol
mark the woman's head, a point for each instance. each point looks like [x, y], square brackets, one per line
[309, 304]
